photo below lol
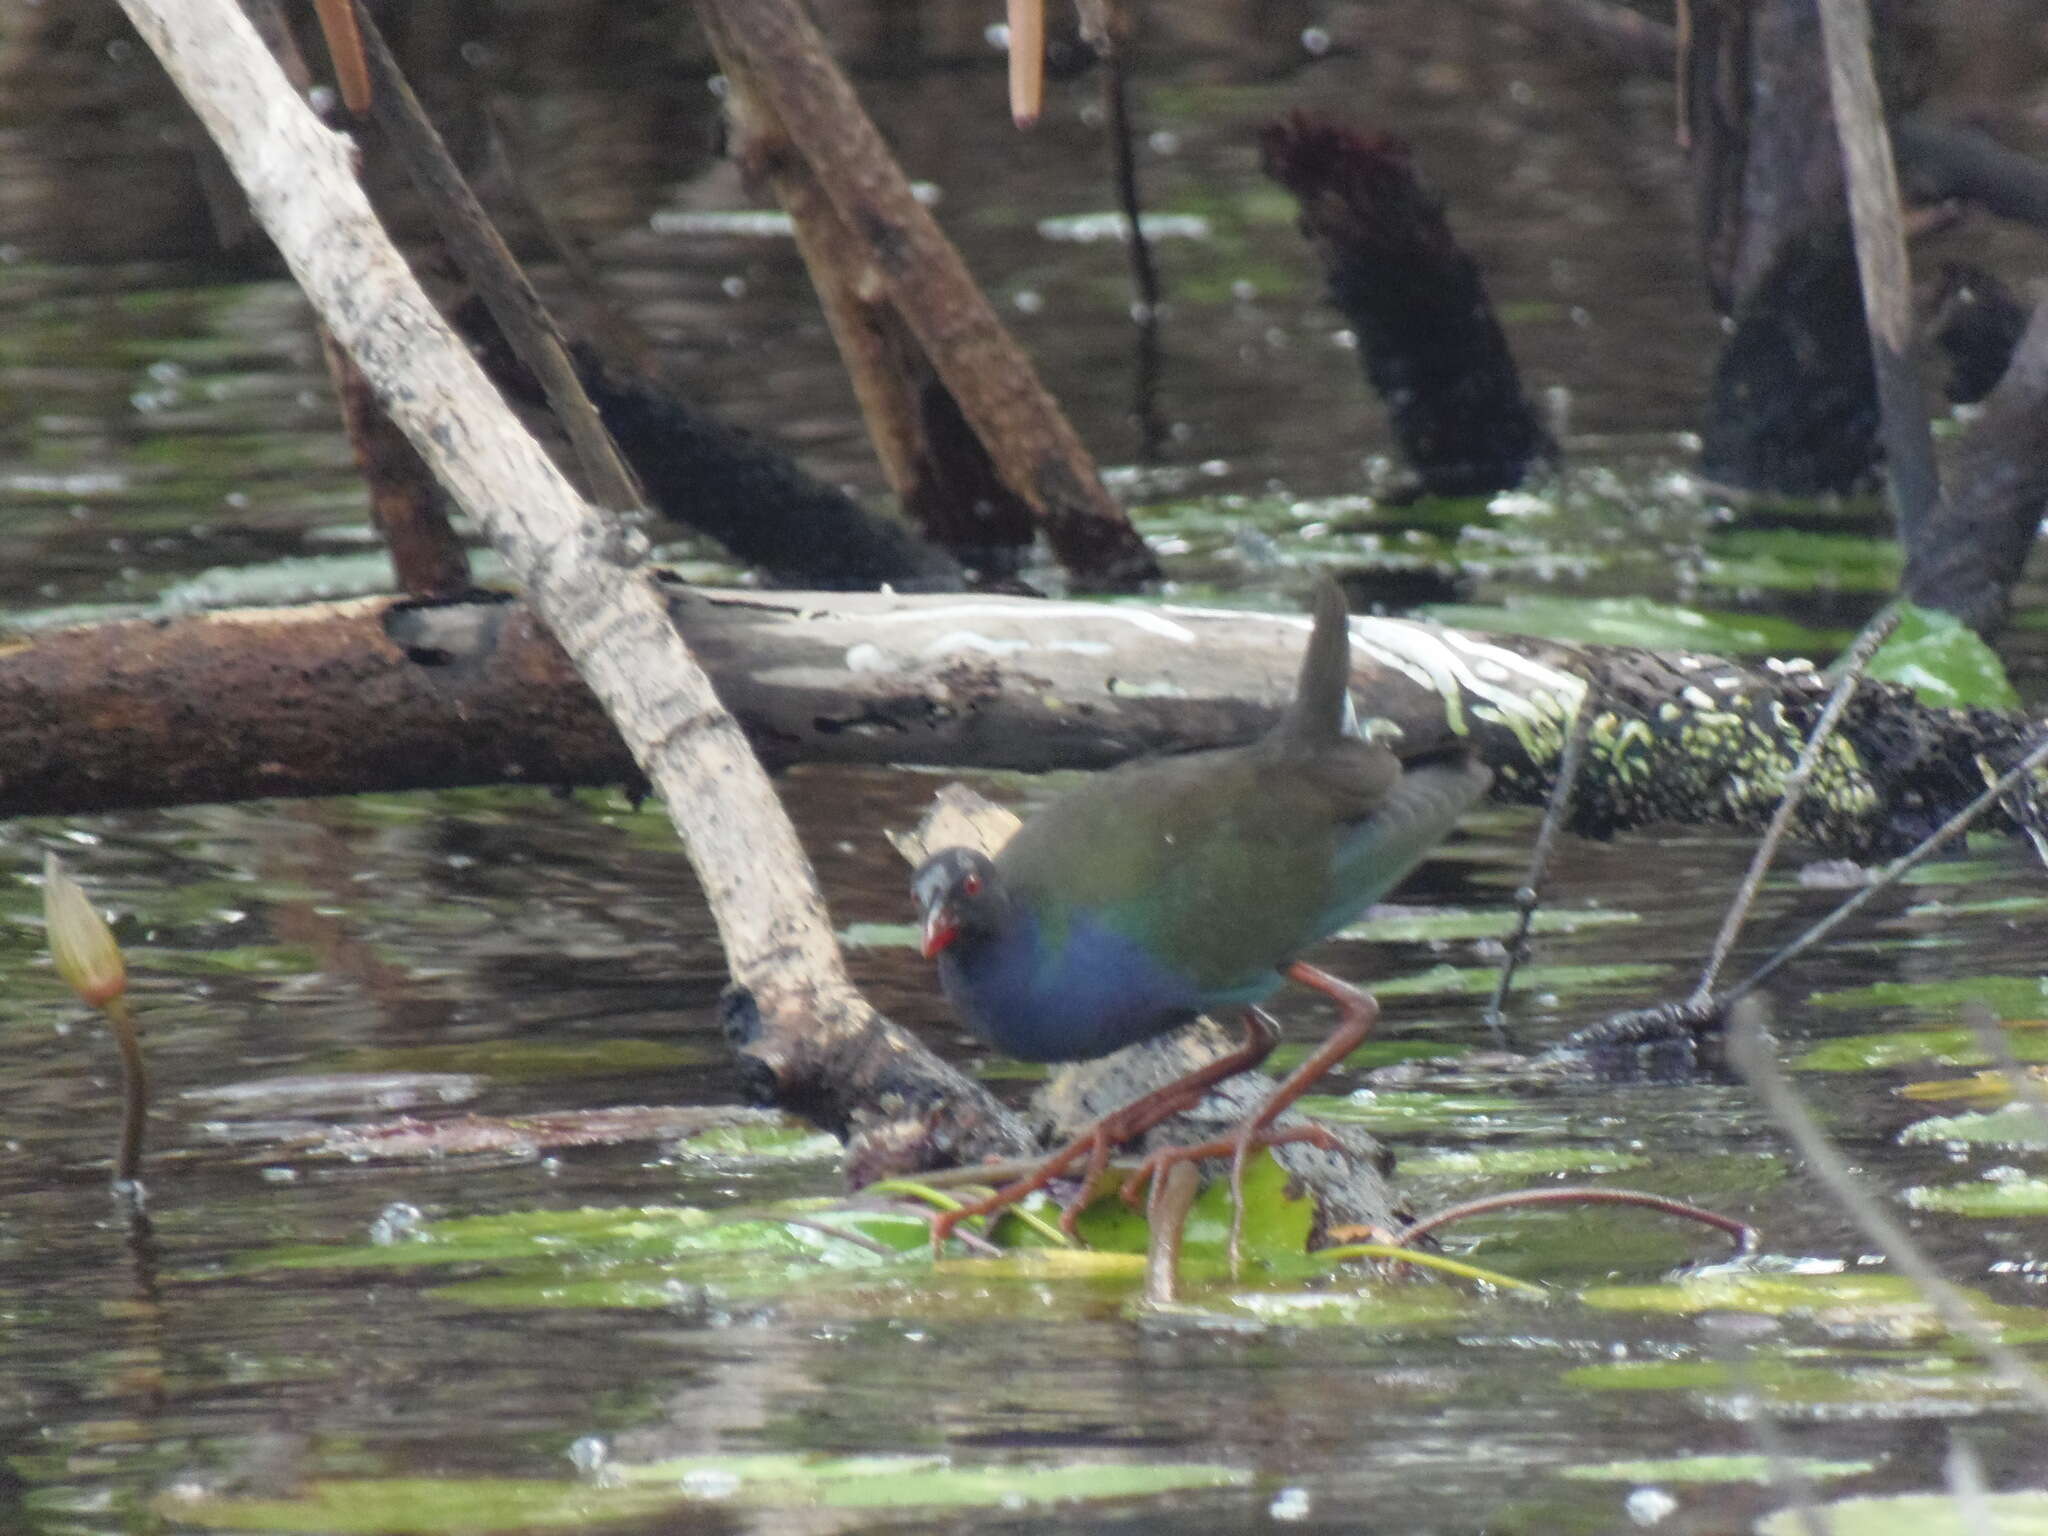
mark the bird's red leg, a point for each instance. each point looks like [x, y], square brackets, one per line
[1261, 1034]
[1356, 1015]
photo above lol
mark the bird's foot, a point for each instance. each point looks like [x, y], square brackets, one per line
[1095, 1142]
[1123, 1125]
[1238, 1148]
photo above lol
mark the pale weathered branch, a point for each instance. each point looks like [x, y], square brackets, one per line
[798, 1017]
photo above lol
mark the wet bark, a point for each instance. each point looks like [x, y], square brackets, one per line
[754, 499]
[940, 470]
[1792, 406]
[381, 695]
[408, 508]
[1414, 297]
[1030, 441]
[1980, 535]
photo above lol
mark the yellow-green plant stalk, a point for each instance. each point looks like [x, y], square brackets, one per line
[90, 962]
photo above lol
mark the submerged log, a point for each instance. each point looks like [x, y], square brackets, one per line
[380, 694]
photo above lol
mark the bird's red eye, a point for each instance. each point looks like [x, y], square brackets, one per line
[970, 885]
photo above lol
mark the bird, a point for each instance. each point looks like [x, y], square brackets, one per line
[1183, 885]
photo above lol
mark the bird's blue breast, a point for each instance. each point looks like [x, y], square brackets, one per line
[1092, 992]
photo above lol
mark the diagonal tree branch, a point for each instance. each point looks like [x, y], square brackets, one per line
[795, 1014]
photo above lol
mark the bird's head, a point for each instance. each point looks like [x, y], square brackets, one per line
[959, 893]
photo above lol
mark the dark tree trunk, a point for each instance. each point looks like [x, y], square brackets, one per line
[1427, 335]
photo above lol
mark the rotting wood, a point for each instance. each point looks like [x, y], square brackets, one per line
[379, 695]
[1979, 536]
[407, 507]
[489, 265]
[795, 1017]
[1040, 455]
[939, 469]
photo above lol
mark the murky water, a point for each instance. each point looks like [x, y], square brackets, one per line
[163, 416]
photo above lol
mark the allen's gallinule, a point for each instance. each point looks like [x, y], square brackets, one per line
[1178, 886]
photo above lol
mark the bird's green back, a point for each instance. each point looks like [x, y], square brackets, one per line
[1221, 864]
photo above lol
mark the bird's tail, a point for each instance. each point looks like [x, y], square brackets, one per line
[1322, 696]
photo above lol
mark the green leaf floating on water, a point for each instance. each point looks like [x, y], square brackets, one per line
[1944, 661]
[1990, 906]
[796, 1251]
[1407, 926]
[1277, 1222]
[430, 1506]
[1642, 621]
[1882, 1304]
[2016, 1125]
[902, 1482]
[779, 1142]
[644, 1248]
[419, 1506]
[1467, 981]
[1931, 1384]
[1520, 1162]
[1989, 1199]
[1920, 1514]
[242, 960]
[1711, 1469]
[1916, 1047]
[1390, 1111]
[2015, 997]
[1788, 559]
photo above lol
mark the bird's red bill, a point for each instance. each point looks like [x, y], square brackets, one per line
[940, 929]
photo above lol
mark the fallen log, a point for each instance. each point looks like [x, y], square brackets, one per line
[381, 694]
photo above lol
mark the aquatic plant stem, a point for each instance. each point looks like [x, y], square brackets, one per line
[1166, 1223]
[1026, 21]
[1528, 895]
[1741, 1234]
[1890, 875]
[1856, 661]
[345, 48]
[1750, 1050]
[1104, 26]
[134, 1093]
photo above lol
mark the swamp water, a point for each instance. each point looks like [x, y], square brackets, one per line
[322, 1336]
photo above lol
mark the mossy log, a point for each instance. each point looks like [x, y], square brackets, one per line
[381, 694]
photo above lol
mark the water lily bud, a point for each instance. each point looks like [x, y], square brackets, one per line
[80, 941]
